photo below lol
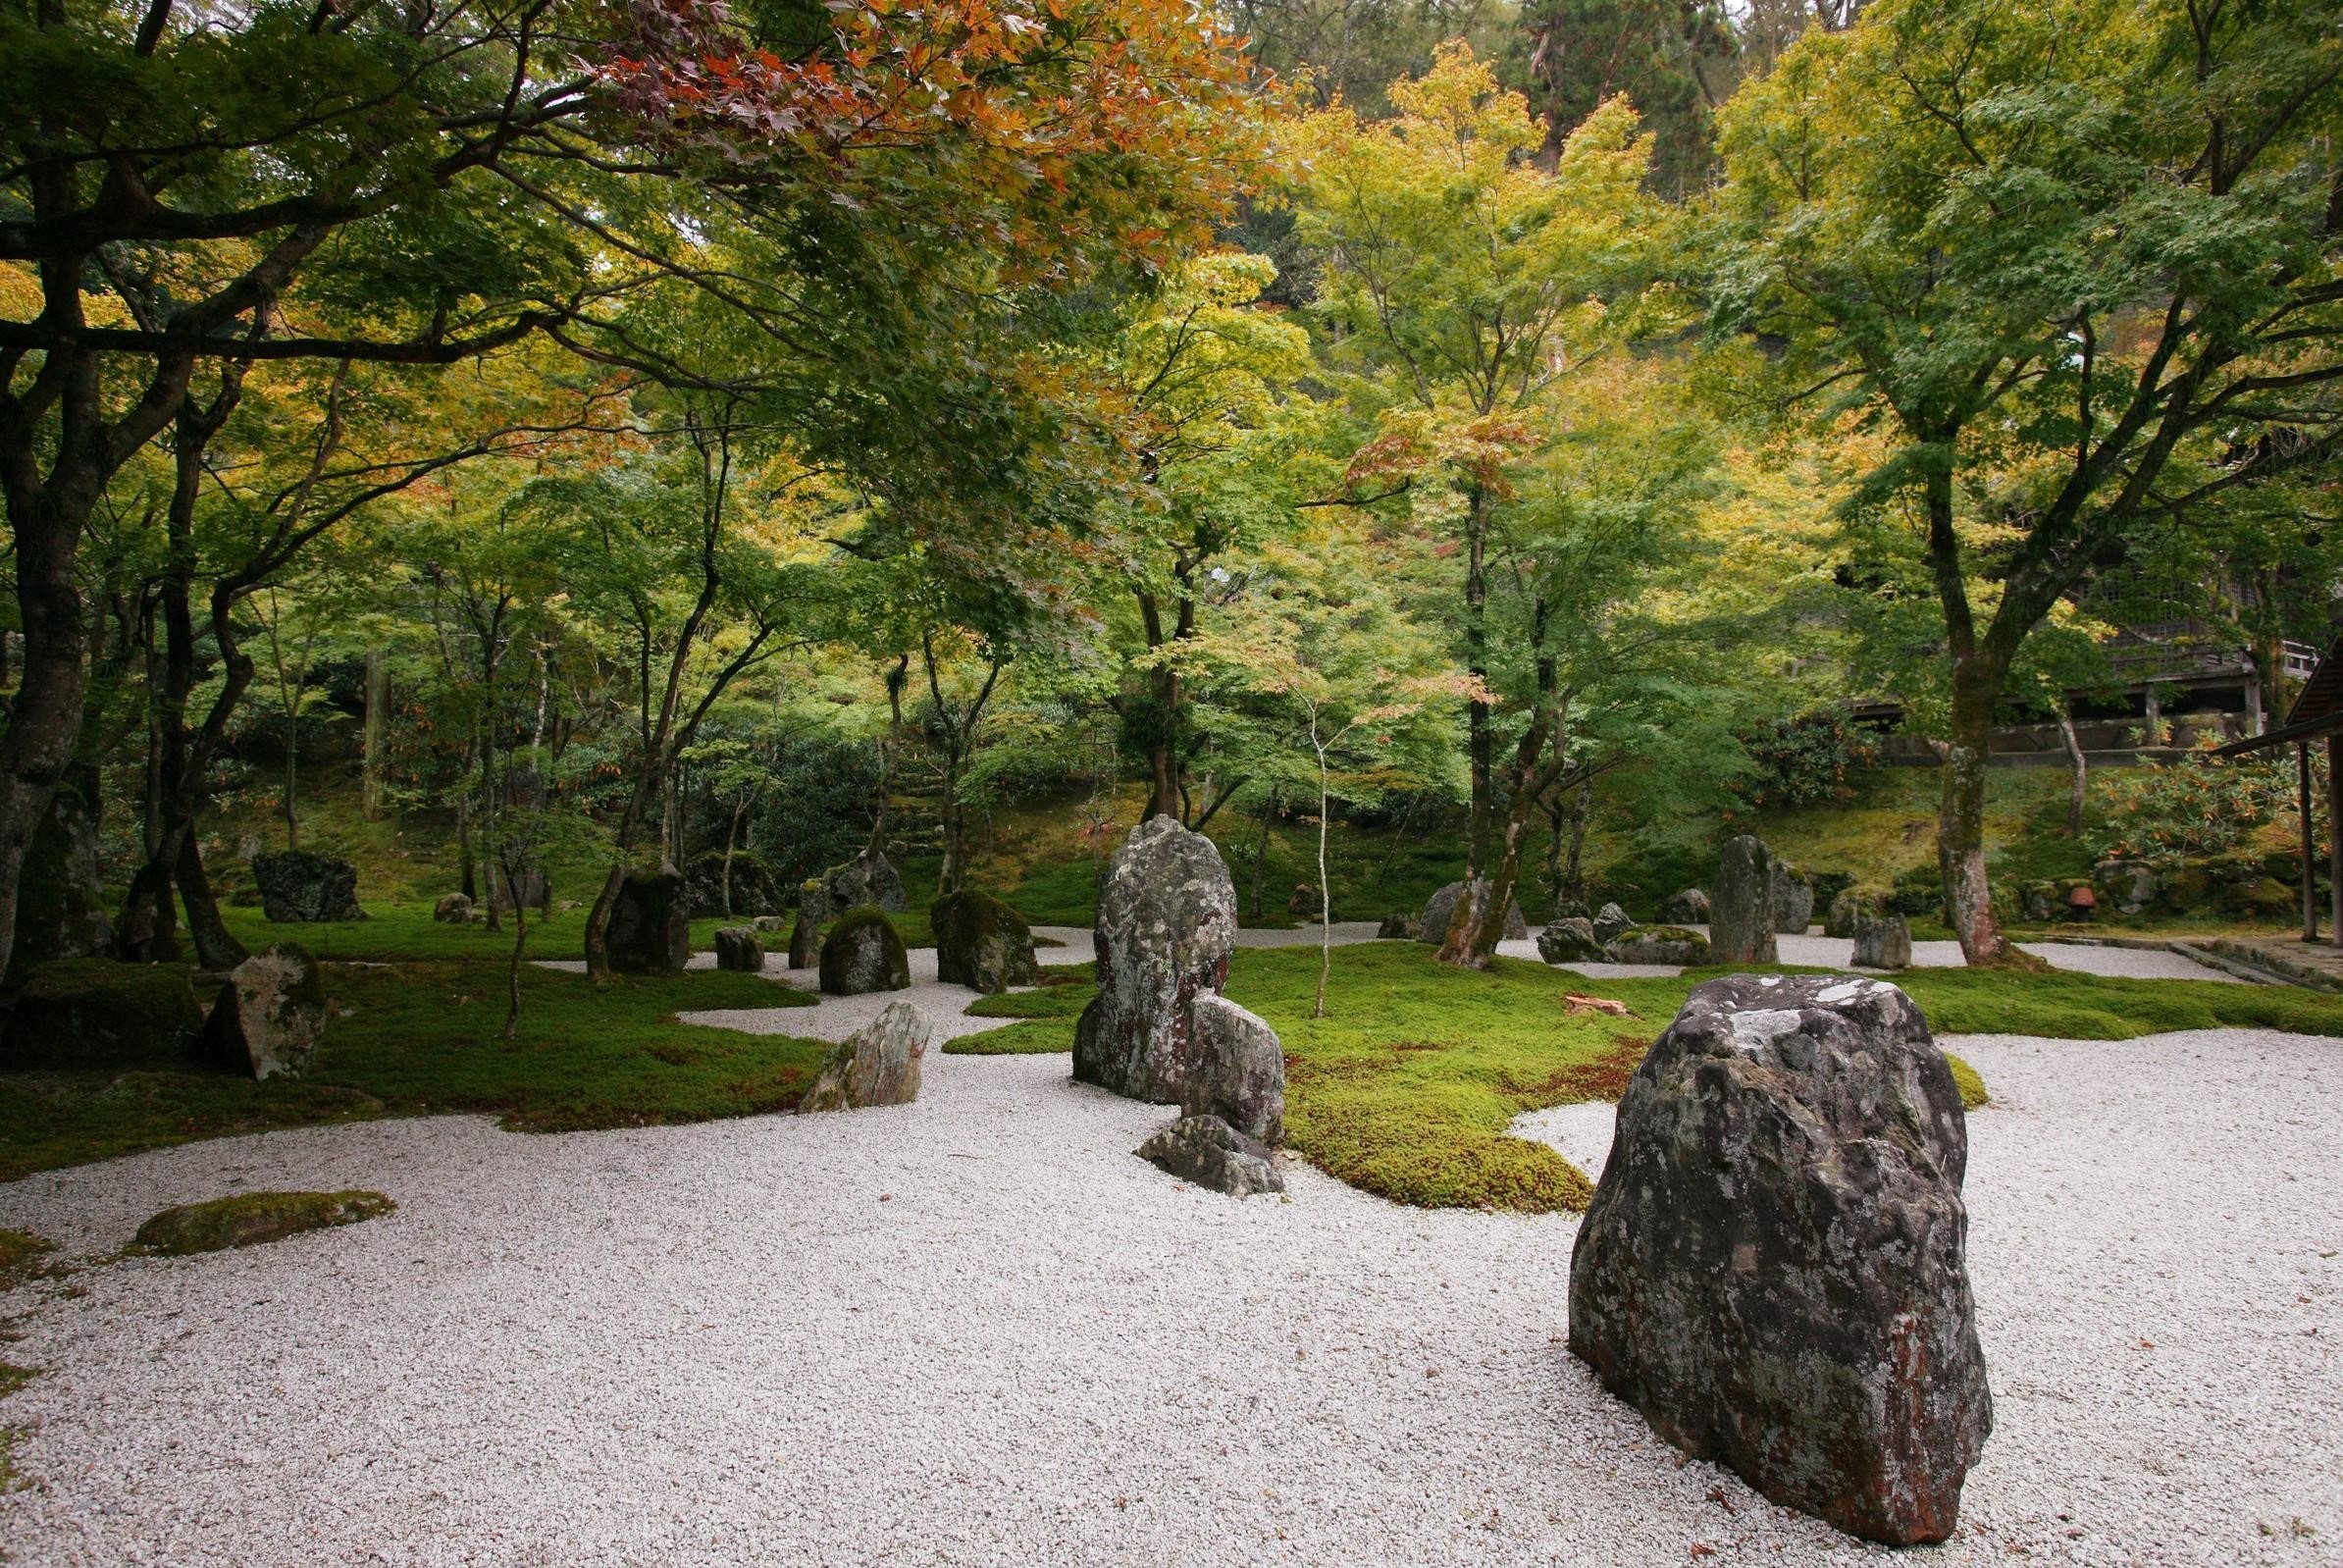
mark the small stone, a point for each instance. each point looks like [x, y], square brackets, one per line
[250, 1218]
[1611, 922]
[877, 1064]
[1240, 1071]
[864, 953]
[770, 924]
[1208, 1151]
[270, 1014]
[1570, 940]
[740, 950]
[453, 908]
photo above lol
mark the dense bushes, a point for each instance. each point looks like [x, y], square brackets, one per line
[1800, 761]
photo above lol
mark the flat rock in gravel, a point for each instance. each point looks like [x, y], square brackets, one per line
[1773, 1268]
[1239, 1071]
[1740, 918]
[877, 1064]
[1166, 923]
[1657, 944]
[1208, 1151]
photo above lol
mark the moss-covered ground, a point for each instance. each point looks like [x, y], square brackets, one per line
[418, 1036]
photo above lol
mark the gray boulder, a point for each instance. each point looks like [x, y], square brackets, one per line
[1571, 940]
[2041, 901]
[805, 944]
[740, 950]
[1883, 941]
[877, 1064]
[1240, 1071]
[298, 887]
[1741, 911]
[2129, 885]
[270, 1014]
[453, 908]
[651, 928]
[1441, 906]
[1848, 908]
[1688, 907]
[1791, 897]
[1773, 1271]
[1611, 922]
[531, 888]
[1208, 1151]
[1399, 927]
[982, 943]
[1657, 944]
[868, 881]
[864, 953]
[770, 924]
[1167, 922]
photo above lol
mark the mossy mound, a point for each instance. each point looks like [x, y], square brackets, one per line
[863, 952]
[1967, 1081]
[981, 943]
[95, 1013]
[251, 1218]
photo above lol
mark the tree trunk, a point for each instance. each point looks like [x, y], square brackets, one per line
[2080, 780]
[463, 840]
[44, 720]
[215, 947]
[512, 977]
[1326, 903]
[1480, 737]
[1269, 809]
[1961, 820]
[377, 705]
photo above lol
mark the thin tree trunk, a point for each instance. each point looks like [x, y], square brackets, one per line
[1325, 901]
[512, 978]
[2080, 774]
[1481, 738]
[377, 704]
[1269, 809]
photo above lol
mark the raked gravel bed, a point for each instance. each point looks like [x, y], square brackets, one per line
[977, 1331]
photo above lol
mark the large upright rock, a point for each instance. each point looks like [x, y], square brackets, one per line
[863, 952]
[981, 943]
[297, 887]
[804, 943]
[1167, 922]
[650, 927]
[1793, 898]
[270, 1016]
[1883, 941]
[1240, 1071]
[1740, 910]
[1772, 1269]
[1440, 908]
[877, 1064]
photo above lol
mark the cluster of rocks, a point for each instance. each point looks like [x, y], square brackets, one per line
[1440, 909]
[1773, 1267]
[1574, 939]
[877, 1064]
[1159, 1029]
[264, 1017]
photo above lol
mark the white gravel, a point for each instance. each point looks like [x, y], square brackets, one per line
[977, 1331]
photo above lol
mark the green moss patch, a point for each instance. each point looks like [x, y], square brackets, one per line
[251, 1218]
[22, 1255]
[1966, 1081]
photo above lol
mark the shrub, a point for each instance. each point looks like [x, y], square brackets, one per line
[2169, 813]
[1800, 761]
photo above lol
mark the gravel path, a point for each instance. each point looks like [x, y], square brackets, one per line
[976, 1331]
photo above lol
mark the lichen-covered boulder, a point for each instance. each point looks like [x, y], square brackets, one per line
[1400, 926]
[877, 1064]
[1570, 940]
[298, 887]
[1440, 908]
[95, 1013]
[1848, 906]
[804, 943]
[770, 924]
[982, 943]
[1657, 944]
[1791, 897]
[1689, 907]
[864, 953]
[271, 1014]
[1611, 922]
[1773, 1268]
[1167, 922]
[650, 926]
[2039, 901]
[1883, 941]
[2129, 885]
[1740, 908]
[453, 908]
[740, 950]
[1240, 1071]
[1208, 1151]
[868, 881]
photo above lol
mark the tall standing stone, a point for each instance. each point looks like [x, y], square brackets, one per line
[61, 904]
[1740, 908]
[1167, 922]
[270, 1014]
[651, 928]
[1793, 898]
[1773, 1267]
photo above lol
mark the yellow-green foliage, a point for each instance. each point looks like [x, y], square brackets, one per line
[250, 1218]
[1966, 1081]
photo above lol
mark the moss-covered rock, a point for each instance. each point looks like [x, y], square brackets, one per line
[251, 1218]
[863, 952]
[982, 943]
[95, 1013]
[1657, 944]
